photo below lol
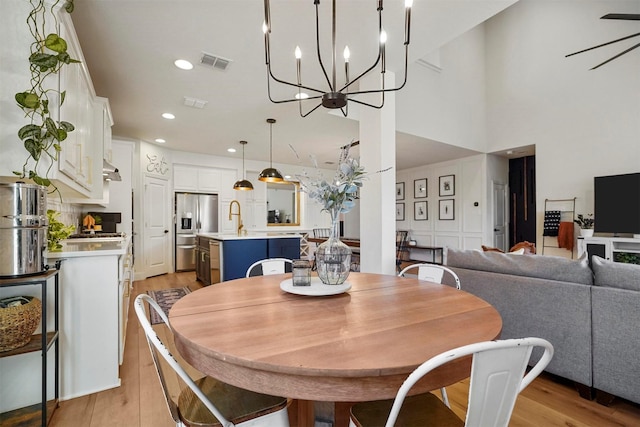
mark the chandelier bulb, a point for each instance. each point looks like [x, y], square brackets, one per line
[264, 27]
[298, 52]
[347, 54]
[383, 37]
[408, 3]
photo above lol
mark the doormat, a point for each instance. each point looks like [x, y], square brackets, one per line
[165, 299]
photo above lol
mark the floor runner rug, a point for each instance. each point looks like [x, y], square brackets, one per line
[165, 299]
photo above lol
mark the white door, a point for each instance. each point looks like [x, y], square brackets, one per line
[499, 216]
[156, 226]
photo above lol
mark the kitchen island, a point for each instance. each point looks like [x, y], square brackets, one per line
[95, 283]
[230, 255]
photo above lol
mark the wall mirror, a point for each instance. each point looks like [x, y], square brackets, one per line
[283, 203]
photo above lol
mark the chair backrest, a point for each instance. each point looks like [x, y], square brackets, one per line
[430, 273]
[321, 232]
[497, 377]
[157, 347]
[268, 266]
[402, 238]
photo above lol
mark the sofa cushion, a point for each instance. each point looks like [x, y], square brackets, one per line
[543, 267]
[616, 274]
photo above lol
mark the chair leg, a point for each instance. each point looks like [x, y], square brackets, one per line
[445, 398]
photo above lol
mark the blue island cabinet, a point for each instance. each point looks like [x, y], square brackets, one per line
[238, 255]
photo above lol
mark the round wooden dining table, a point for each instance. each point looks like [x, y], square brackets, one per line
[355, 346]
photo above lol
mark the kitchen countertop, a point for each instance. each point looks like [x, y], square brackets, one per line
[91, 247]
[250, 236]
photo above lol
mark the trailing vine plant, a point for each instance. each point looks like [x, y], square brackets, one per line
[48, 54]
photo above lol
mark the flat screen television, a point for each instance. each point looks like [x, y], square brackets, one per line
[617, 204]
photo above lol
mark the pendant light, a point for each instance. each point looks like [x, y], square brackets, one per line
[243, 184]
[271, 174]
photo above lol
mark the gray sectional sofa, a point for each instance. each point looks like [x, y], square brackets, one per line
[591, 316]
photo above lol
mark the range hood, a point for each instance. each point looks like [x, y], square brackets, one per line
[110, 172]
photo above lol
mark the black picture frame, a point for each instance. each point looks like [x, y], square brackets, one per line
[399, 190]
[420, 211]
[446, 209]
[420, 188]
[399, 211]
[447, 185]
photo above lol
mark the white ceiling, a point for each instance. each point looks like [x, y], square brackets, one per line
[130, 45]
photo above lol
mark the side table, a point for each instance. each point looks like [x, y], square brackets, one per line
[39, 342]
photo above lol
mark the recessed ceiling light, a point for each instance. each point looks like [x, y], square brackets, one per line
[301, 95]
[168, 116]
[231, 150]
[183, 64]
[160, 141]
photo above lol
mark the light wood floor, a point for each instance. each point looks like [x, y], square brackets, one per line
[138, 402]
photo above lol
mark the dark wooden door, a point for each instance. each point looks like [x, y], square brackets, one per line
[522, 200]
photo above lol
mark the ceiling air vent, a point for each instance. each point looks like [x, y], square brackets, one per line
[214, 61]
[194, 102]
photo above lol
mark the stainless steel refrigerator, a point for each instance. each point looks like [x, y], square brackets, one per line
[194, 213]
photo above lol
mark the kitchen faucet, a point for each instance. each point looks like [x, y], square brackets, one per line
[231, 213]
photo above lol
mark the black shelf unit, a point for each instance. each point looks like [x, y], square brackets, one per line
[39, 342]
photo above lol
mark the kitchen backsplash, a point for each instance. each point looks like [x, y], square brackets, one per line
[69, 214]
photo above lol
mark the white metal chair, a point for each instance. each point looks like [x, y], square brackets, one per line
[431, 273]
[321, 232]
[268, 266]
[402, 239]
[497, 377]
[233, 406]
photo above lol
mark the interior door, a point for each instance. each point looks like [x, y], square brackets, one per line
[157, 251]
[499, 216]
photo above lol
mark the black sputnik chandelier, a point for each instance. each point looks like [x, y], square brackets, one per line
[334, 96]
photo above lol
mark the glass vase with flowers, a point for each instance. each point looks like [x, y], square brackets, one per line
[337, 196]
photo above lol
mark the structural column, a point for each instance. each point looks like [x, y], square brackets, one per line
[377, 200]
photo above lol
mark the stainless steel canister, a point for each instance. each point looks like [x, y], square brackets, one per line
[23, 229]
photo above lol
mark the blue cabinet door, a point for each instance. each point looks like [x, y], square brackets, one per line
[238, 255]
[284, 248]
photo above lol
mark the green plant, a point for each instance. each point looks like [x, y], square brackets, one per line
[48, 54]
[56, 231]
[584, 222]
[626, 257]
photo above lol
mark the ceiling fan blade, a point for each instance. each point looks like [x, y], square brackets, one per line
[603, 44]
[617, 56]
[623, 16]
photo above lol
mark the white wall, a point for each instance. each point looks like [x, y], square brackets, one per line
[583, 123]
[451, 102]
[468, 229]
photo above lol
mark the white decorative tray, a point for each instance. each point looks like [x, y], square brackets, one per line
[316, 289]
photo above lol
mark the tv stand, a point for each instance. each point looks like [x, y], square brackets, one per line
[617, 249]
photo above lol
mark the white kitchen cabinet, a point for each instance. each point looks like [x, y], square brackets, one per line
[77, 172]
[102, 127]
[196, 179]
[228, 177]
[618, 249]
[81, 155]
[204, 180]
[93, 304]
[125, 286]
[209, 180]
[185, 178]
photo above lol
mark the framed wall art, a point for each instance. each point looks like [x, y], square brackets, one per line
[447, 209]
[399, 211]
[420, 211]
[447, 185]
[419, 188]
[399, 190]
